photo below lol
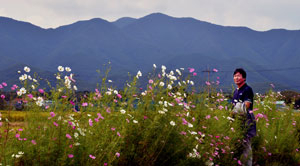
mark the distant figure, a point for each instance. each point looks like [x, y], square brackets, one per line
[243, 99]
[19, 105]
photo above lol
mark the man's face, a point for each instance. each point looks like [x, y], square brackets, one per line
[238, 79]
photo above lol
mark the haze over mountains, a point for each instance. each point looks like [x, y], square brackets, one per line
[131, 44]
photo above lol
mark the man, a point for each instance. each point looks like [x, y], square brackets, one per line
[244, 94]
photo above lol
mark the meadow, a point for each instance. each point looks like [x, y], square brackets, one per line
[167, 123]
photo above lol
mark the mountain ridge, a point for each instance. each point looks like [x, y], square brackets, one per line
[135, 44]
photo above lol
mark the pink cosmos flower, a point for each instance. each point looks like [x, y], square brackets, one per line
[55, 124]
[63, 97]
[194, 74]
[184, 122]
[207, 117]
[4, 83]
[108, 110]
[150, 81]
[215, 70]
[191, 70]
[90, 122]
[272, 85]
[17, 135]
[33, 142]
[3, 96]
[1, 87]
[72, 102]
[30, 96]
[92, 157]
[41, 91]
[20, 129]
[239, 162]
[207, 83]
[52, 114]
[119, 96]
[220, 107]
[216, 117]
[118, 154]
[68, 136]
[150, 87]
[84, 104]
[70, 155]
[118, 134]
[113, 129]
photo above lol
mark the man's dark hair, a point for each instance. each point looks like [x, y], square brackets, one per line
[241, 71]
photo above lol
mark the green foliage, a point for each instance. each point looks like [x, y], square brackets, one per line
[161, 125]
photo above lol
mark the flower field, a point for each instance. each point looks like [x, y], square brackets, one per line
[168, 123]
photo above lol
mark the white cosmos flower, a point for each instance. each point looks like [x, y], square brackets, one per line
[154, 65]
[116, 92]
[32, 86]
[143, 94]
[58, 77]
[26, 69]
[68, 69]
[39, 103]
[161, 84]
[172, 123]
[76, 135]
[122, 111]
[108, 92]
[19, 71]
[173, 78]
[181, 68]
[163, 68]
[29, 77]
[21, 78]
[190, 125]
[178, 71]
[139, 74]
[19, 93]
[171, 72]
[169, 86]
[109, 80]
[160, 102]
[161, 112]
[23, 90]
[135, 121]
[165, 110]
[192, 82]
[75, 87]
[34, 80]
[60, 68]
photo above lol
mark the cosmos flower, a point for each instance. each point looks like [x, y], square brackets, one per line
[172, 123]
[60, 68]
[68, 69]
[26, 69]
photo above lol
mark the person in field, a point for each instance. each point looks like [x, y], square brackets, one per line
[243, 106]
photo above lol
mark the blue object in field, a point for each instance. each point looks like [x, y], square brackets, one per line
[77, 107]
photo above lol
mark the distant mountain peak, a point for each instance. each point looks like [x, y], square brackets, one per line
[124, 21]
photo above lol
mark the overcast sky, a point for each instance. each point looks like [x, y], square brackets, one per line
[256, 14]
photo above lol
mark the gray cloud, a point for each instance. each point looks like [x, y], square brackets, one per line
[256, 14]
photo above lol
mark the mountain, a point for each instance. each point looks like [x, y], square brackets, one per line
[130, 44]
